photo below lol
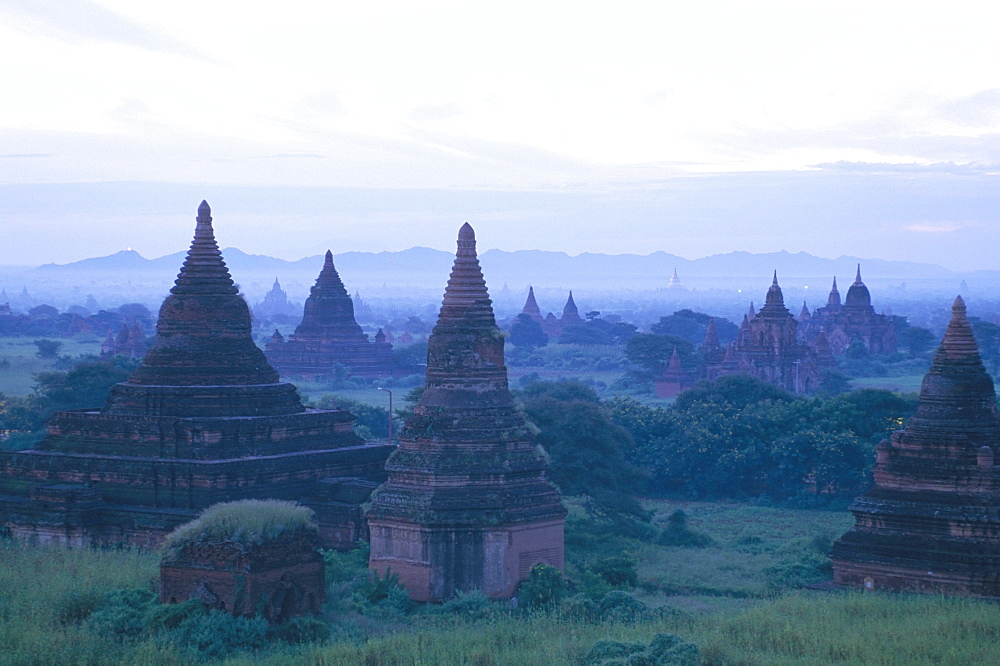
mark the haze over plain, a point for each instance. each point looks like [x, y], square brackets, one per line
[847, 128]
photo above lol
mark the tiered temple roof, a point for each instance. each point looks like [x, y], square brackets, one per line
[329, 336]
[767, 347]
[853, 321]
[466, 505]
[932, 520]
[203, 419]
[531, 307]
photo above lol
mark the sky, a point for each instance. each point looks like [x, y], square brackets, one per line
[859, 128]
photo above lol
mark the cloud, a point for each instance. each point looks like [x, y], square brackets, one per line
[75, 21]
[935, 227]
[436, 112]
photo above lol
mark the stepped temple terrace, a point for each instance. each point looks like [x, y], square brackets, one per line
[931, 523]
[203, 419]
[466, 505]
[329, 336]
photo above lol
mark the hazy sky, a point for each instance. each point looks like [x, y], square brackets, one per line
[880, 120]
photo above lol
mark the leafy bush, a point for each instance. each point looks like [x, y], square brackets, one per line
[217, 635]
[663, 650]
[123, 614]
[299, 630]
[677, 533]
[545, 587]
[341, 567]
[617, 570]
[803, 561]
[472, 605]
[246, 522]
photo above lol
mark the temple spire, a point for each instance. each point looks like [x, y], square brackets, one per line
[711, 341]
[857, 280]
[774, 296]
[834, 298]
[465, 297]
[531, 306]
[204, 271]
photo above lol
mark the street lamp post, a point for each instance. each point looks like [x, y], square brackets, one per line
[390, 411]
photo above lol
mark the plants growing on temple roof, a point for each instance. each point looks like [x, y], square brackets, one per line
[245, 522]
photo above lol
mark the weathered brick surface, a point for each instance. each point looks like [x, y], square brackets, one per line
[931, 522]
[279, 579]
[203, 419]
[466, 504]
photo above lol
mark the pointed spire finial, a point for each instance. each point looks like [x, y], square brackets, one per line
[774, 283]
[857, 280]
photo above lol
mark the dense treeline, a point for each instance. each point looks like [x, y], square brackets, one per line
[735, 438]
[85, 383]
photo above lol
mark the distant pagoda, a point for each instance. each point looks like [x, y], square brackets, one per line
[275, 305]
[675, 282]
[931, 523]
[531, 307]
[854, 321]
[329, 336]
[767, 347]
[467, 505]
[203, 419]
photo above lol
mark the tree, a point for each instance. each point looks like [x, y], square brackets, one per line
[913, 339]
[597, 331]
[43, 311]
[528, 333]
[587, 450]
[736, 390]
[136, 312]
[86, 385]
[47, 348]
[691, 326]
[653, 352]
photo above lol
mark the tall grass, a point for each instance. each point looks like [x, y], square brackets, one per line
[45, 593]
[734, 599]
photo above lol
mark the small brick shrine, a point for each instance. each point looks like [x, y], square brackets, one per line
[279, 576]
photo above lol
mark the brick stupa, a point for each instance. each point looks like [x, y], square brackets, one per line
[466, 505]
[931, 523]
[329, 336]
[203, 419]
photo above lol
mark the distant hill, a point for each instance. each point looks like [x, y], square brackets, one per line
[415, 278]
[421, 266]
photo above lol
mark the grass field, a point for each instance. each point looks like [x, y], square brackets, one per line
[18, 361]
[739, 600]
[904, 384]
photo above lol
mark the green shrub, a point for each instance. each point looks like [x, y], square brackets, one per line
[545, 587]
[170, 616]
[472, 605]
[343, 566]
[663, 650]
[618, 570]
[376, 587]
[217, 635]
[123, 614]
[77, 605]
[593, 586]
[678, 534]
[299, 630]
[622, 607]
